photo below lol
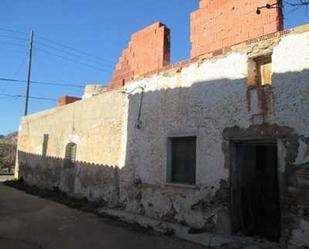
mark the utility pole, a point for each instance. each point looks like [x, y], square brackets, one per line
[29, 73]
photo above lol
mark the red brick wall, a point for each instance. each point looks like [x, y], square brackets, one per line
[64, 100]
[148, 50]
[222, 23]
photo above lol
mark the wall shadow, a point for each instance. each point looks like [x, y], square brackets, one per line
[78, 179]
[216, 112]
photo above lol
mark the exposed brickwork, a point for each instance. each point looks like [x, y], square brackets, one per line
[64, 100]
[222, 23]
[148, 50]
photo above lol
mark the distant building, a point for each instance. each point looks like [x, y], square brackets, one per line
[219, 142]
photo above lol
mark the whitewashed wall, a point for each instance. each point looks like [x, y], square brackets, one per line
[209, 99]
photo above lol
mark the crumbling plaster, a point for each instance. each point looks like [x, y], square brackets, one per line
[203, 99]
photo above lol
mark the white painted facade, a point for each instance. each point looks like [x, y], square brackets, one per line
[209, 99]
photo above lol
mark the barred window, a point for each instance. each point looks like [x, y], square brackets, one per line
[70, 152]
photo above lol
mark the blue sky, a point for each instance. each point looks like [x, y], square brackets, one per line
[97, 27]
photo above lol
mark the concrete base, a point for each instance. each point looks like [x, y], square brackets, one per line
[182, 232]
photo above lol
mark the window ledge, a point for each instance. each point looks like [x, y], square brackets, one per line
[179, 185]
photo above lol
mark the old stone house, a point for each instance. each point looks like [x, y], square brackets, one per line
[218, 142]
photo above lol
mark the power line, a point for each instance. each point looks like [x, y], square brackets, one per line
[13, 37]
[279, 5]
[72, 60]
[42, 83]
[19, 67]
[80, 56]
[95, 67]
[76, 50]
[16, 72]
[30, 97]
[59, 45]
[100, 64]
[54, 49]
[12, 31]
[75, 54]
[65, 49]
[293, 9]
[14, 50]
[13, 44]
[299, 3]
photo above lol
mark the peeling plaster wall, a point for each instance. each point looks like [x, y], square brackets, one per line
[290, 65]
[209, 99]
[186, 103]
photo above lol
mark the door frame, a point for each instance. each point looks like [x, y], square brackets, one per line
[235, 215]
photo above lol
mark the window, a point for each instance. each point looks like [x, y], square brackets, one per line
[260, 71]
[264, 70]
[182, 160]
[70, 152]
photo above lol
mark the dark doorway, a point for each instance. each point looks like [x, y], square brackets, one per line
[255, 189]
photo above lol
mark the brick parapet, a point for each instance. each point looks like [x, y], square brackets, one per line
[148, 50]
[242, 47]
[64, 100]
[223, 23]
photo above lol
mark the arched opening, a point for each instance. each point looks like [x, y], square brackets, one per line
[70, 154]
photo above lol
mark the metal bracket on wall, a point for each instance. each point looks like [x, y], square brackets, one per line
[138, 121]
[268, 6]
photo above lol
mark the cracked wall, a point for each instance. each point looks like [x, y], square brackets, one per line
[209, 99]
[205, 99]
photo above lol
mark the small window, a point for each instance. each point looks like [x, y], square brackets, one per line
[70, 152]
[264, 70]
[182, 160]
[260, 71]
